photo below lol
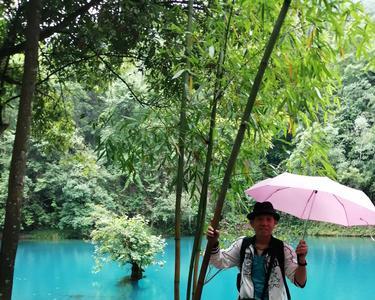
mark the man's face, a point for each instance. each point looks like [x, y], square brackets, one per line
[263, 225]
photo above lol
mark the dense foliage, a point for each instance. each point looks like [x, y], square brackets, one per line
[106, 136]
[345, 145]
[116, 91]
[124, 240]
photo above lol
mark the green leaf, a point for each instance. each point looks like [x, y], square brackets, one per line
[211, 51]
[178, 74]
[318, 92]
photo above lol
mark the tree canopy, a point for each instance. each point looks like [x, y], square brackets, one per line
[109, 90]
[130, 114]
[125, 240]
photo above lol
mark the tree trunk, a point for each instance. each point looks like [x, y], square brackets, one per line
[218, 94]
[18, 164]
[181, 149]
[137, 272]
[238, 141]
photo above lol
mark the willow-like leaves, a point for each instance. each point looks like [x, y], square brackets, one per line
[217, 95]
[238, 141]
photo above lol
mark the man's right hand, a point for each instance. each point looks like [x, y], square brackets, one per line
[212, 234]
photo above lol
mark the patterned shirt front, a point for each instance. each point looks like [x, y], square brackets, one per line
[231, 258]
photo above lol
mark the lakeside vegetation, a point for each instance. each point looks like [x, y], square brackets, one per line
[287, 230]
[137, 104]
[62, 183]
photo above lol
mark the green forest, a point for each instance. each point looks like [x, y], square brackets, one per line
[136, 106]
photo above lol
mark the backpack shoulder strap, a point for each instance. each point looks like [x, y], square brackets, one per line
[245, 244]
[268, 275]
[278, 248]
[246, 241]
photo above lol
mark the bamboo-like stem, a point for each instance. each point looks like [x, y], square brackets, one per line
[238, 141]
[181, 153]
[218, 94]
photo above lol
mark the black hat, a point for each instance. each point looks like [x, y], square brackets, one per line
[263, 208]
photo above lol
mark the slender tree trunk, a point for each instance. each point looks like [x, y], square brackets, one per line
[181, 149]
[137, 272]
[3, 125]
[218, 94]
[18, 164]
[238, 141]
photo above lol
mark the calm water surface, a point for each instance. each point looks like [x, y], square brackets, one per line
[339, 268]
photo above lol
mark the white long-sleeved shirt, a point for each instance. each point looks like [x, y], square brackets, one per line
[231, 257]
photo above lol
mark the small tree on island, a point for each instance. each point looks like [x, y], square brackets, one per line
[125, 240]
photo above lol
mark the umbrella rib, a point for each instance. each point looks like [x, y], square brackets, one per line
[314, 192]
[343, 206]
[307, 203]
[274, 192]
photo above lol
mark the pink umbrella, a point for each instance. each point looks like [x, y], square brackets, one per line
[315, 198]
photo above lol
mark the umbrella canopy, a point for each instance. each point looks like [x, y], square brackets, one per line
[315, 198]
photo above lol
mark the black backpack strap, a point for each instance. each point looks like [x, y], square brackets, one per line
[246, 241]
[268, 275]
[245, 244]
[277, 247]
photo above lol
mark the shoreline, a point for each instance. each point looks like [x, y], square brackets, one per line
[32, 236]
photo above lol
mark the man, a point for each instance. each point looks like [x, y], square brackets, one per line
[262, 275]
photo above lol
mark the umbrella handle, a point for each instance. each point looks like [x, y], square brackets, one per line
[298, 256]
[303, 236]
[304, 229]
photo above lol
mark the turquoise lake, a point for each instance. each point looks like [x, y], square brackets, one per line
[339, 268]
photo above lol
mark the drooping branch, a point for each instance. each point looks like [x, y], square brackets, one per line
[8, 41]
[7, 79]
[7, 50]
[134, 95]
[6, 102]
